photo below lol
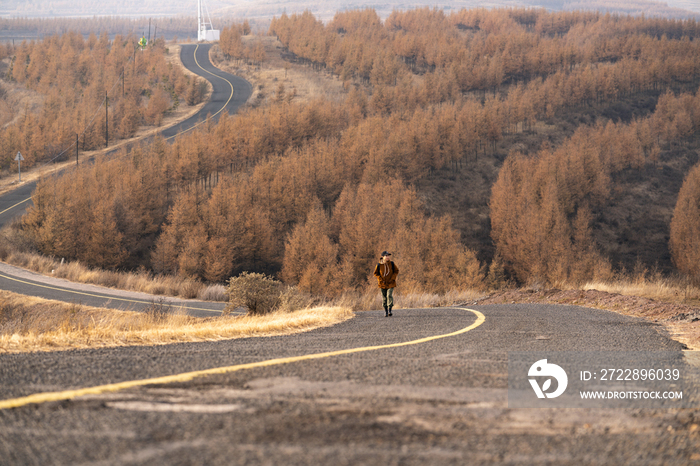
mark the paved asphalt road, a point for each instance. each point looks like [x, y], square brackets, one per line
[229, 94]
[29, 283]
[442, 401]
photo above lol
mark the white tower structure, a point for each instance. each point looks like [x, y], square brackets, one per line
[204, 34]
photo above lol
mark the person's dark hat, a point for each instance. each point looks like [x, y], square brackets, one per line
[385, 253]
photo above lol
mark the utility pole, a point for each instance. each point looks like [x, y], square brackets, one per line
[76, 149]
[149, 30]
[106, 120]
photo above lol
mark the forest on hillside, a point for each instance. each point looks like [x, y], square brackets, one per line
[75, 79]
[312, 192]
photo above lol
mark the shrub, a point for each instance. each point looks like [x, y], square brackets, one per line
[258, 293]
[190, 289]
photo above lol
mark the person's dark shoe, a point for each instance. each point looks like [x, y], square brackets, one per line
[390, 314]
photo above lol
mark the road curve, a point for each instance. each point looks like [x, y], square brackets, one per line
[439, 401]
[228, 95]
[229, 92]
[29, 283]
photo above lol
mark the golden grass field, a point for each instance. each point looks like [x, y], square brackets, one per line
[32, 324]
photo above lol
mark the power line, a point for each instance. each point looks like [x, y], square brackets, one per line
[94, 116]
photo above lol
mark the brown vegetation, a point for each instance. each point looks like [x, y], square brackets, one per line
[313, 190]
[76, 79]
[233, 46]
[685, 226]
[541, 207]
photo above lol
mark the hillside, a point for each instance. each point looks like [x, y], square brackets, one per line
[631, 227]
[556, 143]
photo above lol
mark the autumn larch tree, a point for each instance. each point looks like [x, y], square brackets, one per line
[684, 239]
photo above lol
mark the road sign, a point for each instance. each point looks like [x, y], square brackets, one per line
[19, 159]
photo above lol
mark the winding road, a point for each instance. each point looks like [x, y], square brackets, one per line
[228, 95]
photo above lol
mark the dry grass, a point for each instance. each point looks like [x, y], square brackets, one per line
[33, 324]
[141, 281]
[660, 289]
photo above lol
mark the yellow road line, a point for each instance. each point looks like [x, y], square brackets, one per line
[187, 376]
[220, 110]
[95, 295]
[220, 77]
[19, 203]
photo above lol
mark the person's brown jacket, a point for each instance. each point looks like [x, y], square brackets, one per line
[386, 273]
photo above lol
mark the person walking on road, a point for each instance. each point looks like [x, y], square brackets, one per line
[386, 272]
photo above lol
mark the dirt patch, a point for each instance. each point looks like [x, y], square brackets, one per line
[299, 81]
[682, 321]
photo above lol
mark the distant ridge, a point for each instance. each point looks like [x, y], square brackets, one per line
[690, 5]
[682, 9]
